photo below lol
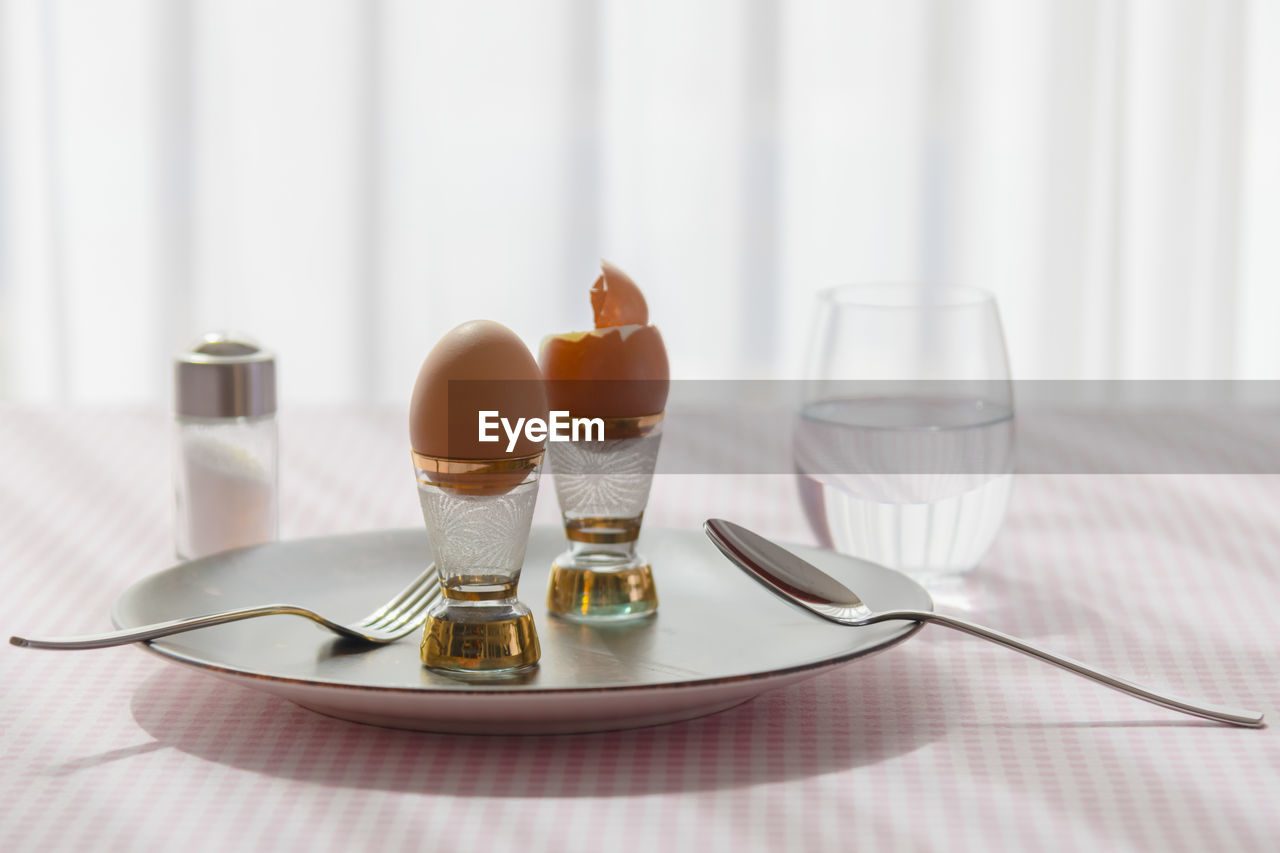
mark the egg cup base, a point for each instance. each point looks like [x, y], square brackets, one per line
[598, 594]
[462, 639]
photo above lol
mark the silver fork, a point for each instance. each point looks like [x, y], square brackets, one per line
[400, 616]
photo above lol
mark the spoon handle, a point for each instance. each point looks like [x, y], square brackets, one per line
[1234, 716]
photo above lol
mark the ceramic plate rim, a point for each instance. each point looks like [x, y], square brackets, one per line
[513, 690]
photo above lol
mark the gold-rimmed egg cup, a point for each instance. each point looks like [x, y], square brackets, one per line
[603, 488]
[478, 515]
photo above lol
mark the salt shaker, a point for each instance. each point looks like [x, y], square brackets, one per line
[226, 444]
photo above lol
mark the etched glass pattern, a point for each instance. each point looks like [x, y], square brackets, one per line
[478, 536]
[604, 478]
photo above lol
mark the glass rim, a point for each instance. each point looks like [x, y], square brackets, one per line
[910, 295]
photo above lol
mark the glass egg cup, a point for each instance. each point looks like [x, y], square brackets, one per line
[478, 516]
[603, 487]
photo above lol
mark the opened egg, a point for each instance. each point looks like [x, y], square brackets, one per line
[618, 369]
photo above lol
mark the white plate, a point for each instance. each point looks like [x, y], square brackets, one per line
[717, 640]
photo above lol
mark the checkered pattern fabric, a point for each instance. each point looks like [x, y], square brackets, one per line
[942, 742]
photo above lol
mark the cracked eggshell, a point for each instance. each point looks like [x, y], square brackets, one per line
[616, 300]
[617, 370]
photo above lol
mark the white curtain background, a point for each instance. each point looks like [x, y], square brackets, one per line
[347, 179]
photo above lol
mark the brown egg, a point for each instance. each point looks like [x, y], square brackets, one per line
[617, 370]
[478, 366]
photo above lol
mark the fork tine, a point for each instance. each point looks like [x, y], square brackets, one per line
[390, 615]
[413, 615]
[416, 605]
[410, 591]
[390, 621]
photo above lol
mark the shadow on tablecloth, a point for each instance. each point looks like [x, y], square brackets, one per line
[852, 717]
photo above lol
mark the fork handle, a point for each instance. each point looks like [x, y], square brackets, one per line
[160, 629]
[1234, 716]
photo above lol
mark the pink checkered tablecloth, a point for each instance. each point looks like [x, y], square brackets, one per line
[942, 742]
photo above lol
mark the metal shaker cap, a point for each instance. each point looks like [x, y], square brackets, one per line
[224, 375]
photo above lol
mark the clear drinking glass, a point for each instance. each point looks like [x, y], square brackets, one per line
[904, 443]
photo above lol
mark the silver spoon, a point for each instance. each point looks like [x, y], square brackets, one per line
[789, 577]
